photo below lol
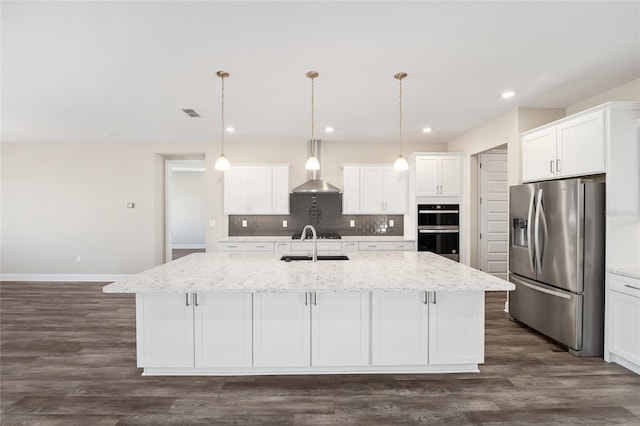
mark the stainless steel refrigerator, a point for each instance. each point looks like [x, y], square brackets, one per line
[556, 261]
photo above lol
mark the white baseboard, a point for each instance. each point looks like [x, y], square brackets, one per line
[188, 246]
[64, 277]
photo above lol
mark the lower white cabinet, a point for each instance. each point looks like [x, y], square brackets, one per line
[164, 330]
[282, 330]
[623, 321]
[193, 330]
[340, 329]
[456, 327]
[399, 329]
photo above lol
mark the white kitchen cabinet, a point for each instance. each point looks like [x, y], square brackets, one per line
[574, 146]
[176, 330]
[349, 246]
[246, 246]
[223, 329]
[374, 189]
[281, 330]
[399, 329]
[164, 330]
[623, 321]
[438, 175]
[256, 189]
[282, 247]
[456, 327]
[340, 329]
[386, 246]
[322, 246]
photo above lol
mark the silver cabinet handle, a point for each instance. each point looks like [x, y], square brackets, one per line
[558, 165]
[315, 299]
[232, 246]
[551, 166]
[424, 297]
[306, 299]
[186, 299]
[434, 298]
[195, 299]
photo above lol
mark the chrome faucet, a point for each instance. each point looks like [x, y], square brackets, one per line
[303, 237]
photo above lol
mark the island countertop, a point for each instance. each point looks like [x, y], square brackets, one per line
[264, 272]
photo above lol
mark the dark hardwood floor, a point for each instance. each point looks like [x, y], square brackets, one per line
[67, 357]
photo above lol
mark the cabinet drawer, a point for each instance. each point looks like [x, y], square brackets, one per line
[245, 246]
[351, 246]
[625, 285]
[322, 246]
[283, 247]
[386, 246]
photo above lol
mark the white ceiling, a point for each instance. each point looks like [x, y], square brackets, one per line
[97, 71]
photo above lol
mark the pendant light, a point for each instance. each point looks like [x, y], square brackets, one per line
[222, 163]
[312, 162]
[400, 163]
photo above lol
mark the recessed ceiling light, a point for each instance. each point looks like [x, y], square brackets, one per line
[426, 130]
[328, 129]
[230, 129]
[507, 95]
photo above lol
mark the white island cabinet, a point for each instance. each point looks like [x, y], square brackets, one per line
[249, 313]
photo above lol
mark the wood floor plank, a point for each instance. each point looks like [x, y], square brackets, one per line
[68, 356]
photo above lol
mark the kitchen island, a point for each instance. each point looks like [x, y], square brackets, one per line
[250, 313]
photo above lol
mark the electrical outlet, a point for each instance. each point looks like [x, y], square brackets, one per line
[284, 223]
[212, 224]
[78, 258]
[352, 223]
[391, 223]
[244, 223]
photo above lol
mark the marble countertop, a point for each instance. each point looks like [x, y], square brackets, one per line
[630, 272]
[365, 238]
[264, 272]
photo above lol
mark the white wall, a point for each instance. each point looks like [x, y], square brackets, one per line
[188, 209]
[629, 91]
[60, 200]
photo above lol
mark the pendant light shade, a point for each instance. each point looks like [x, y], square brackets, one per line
[312, 162]
[222, 163]
[401, 163]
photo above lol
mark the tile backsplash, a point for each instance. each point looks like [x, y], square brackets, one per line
[324, 212]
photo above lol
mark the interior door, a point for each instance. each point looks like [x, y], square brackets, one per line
[559, 234]
[521, 218]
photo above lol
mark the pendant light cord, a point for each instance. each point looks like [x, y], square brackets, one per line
[222, 119]
[313, 138]
[400, 80]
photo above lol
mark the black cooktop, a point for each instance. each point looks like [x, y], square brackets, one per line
[321, 236]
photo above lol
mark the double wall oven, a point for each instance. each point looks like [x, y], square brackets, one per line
[439, 229]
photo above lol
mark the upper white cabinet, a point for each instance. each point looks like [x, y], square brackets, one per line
[374, 189]
[256, 189]
[438, 175]
[570, 147]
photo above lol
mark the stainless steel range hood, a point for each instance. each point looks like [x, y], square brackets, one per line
[315, 183]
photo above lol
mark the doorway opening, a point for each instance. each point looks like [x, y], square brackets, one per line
[185, 207]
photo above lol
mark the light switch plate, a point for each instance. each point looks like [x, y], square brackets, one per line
[244, 223]
[284, 223]
[352, 223]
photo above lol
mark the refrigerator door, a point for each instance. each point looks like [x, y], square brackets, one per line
[555, 313]
[559, 234]
[521, 221]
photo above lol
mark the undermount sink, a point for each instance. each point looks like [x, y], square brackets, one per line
[291, 258]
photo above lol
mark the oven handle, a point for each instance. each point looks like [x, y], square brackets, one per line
[437, 211]
[438, 231]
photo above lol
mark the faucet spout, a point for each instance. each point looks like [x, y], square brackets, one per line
[303, 237]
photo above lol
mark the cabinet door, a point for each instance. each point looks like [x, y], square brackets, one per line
[260, 189]
[340, 329]
[623, 335]
[399, 329]
[236, 191]
[351, 190]
[395, 191]
[223, 330]
[371, 190]
[581, 148]
[280, 193]
[164, 330]
[450, 176]
[456, 327]
[281, 330]
[539, 155]
[426, 176]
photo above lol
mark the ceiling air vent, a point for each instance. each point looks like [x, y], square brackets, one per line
[191, 112]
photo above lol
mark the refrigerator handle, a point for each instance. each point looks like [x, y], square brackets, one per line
[537, 231]
[529, 229]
